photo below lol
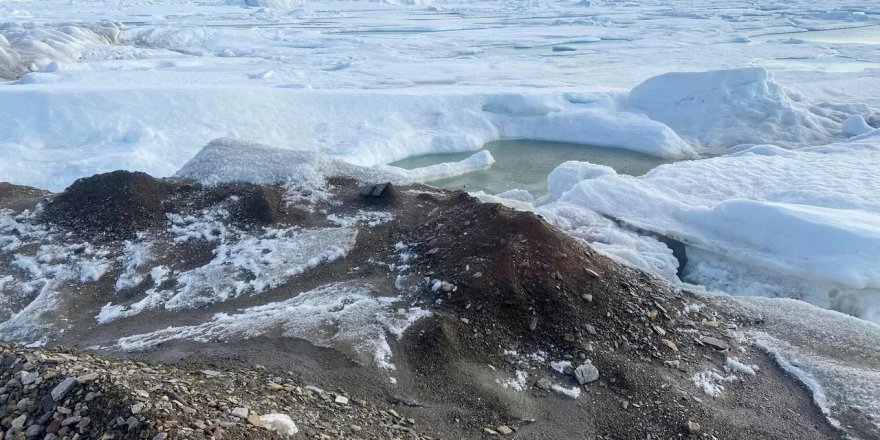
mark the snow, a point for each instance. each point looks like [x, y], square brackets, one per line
[518, 382]
[733, 365]
[573, 392]
[754, 107]
[711, 382]
[855, 125]
[779, 217]
[560, 366]
[479, 161]
[342, 315]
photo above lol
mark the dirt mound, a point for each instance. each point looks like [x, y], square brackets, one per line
[17, 198]
[115, 204]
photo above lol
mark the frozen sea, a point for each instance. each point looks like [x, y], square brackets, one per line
[745, 131]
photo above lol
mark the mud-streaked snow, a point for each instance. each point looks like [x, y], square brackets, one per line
[348, 316]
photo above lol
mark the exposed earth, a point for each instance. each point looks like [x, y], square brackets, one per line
[497, 324]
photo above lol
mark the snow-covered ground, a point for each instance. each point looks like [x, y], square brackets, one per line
[772, 107]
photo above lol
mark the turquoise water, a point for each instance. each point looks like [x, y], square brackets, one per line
[526, 164]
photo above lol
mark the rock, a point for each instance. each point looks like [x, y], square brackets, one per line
[669, 344]
[87, 377]
[543, 383]
[28, 378]
[18, 423]
[624, 404]
[715, 343]
[33, 431]
[71, 420]
[211, 373]
[693, 427]
[83, 423]
[490, 431]
[533, 324]
[342, 400]
[255, 420]
[160, 436]
[137, 408]
[447, 287]
[504, 430]
[586, 373]
[240, 412]
[62, 389]
[591, 273]
[587, 297]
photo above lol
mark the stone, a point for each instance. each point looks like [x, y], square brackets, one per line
[62, 389]
[342, 400]
[447, 287]
[587, 297]
[137, 408]
[255, 420]
[18, 423]
[28, 378]
[211, 373]
[715, 343]
[160, 436]
[669, 344]
[586, 373]
[71, 420]
[83, 423]
[504, 430]
[543, 383]
[591, 273]
[693, 427]
[87, 377]
[489, 431]
[33, 431]
[533, 324]
[240, 412]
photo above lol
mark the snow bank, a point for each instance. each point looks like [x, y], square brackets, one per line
[806, 217]
[730, 107]
[229, 160]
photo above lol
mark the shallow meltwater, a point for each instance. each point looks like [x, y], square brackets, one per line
[525, 164]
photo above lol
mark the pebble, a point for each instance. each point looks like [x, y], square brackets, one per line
[693, 427]
[669, 344]
[587, 297]
[342, 400]
[591, 273]
[504, 430]
[137, 408]
[240, 412]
